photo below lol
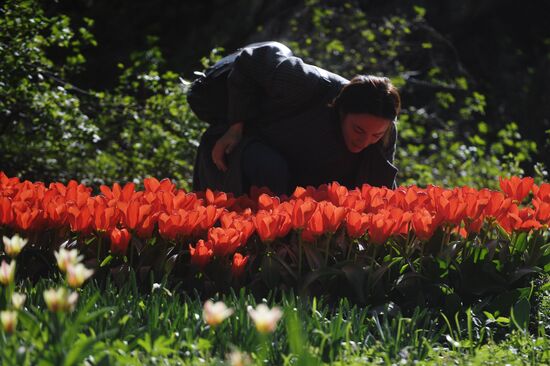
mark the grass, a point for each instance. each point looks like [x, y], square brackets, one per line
[126, 326]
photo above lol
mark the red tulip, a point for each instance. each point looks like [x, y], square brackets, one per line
[337, 194]
[272, 225]
[201, 254]
[356, 224]
[80, 219]
[424, 224]
[303, 210]
[119, 240]
[315, 226]
[516, 188]
[224, 241]
[6, 212]
[542, 211]
[266, 202]
[542, 192]
[332, 216]
[381, 227]
[239, 264]
[243, 224]
[218, 199]
[153, 185]
[105, 218]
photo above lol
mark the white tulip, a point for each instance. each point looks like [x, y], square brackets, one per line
[13, 246]
[264, 318]
[215, 313]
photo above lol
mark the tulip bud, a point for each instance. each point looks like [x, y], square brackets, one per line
[13, 246]
[77, 274]
[60, 300]
[119, 240]
[7, 272]
[66, 258]
[239, 264]
[18, 300]
[9, 320]
[264, 318]
[215, 313]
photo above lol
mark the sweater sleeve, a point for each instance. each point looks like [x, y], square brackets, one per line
[270, 75]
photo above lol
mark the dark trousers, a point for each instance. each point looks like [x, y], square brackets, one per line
[264, 167]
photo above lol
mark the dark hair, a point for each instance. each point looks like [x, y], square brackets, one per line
[369, 94]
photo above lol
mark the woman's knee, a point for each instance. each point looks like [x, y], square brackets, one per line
[263, 166]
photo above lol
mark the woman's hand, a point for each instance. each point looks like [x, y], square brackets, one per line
[226, 144]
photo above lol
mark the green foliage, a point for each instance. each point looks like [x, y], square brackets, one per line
[125, 326]
[53, 130]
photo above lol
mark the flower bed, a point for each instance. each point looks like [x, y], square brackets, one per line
[411, 246]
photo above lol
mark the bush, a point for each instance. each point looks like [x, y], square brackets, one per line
[54, 131]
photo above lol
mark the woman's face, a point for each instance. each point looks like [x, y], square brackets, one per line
[361, 130]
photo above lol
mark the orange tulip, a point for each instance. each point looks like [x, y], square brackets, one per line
[270, 226]
[224, 241]
[381, 227]
[315, 226]
[208, 217]
[332, 216]
[356, 224]
[80, 219]
[242, 224]
[516, 188]
[201, 254]
[424, 224]
[120, 238]
[153, 185]
[303, 210]
[542, 211]
[266, 202]
[239, 264]
[337, 194]
[105, 218]
[542, 192]
[218, 199]
[6, 212]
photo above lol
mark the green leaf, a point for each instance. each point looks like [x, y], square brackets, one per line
[318, 275]
[106, 261]
[521, 272]
[79, 350]
[521, 243]
[520, 314]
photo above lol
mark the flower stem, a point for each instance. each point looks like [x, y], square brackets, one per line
[327, 247]
[300, 250]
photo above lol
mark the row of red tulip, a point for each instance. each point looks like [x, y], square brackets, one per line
[121, 212]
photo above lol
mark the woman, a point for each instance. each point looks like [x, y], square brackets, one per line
[292, 124]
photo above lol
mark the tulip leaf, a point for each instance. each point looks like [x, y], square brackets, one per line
[325, 272]
[314, 257]
[106, 261]
[271, 271]
[356, 277]
[503, 302]
[521, 272]
[520, 314]
[170, 263]
[283, 263]
[521, 243]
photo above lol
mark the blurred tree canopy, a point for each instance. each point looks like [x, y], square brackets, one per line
[90, 90]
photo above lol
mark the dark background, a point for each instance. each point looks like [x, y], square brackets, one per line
[503, 45]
